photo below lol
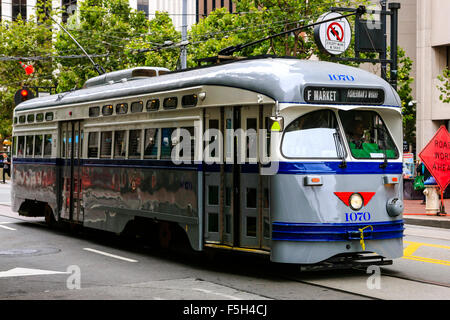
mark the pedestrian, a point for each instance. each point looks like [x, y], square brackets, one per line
[420, 174]
[6, 166]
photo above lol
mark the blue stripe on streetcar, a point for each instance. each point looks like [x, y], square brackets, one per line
[286, 231]
[319, 167]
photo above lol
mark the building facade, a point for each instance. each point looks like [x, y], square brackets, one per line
[196, 9]
[433, 41]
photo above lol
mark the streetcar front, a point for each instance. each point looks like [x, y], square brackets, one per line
[338, 190]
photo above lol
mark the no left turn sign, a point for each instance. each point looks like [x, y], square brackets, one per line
[334, 36]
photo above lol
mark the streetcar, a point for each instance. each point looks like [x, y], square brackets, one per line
[298, 160]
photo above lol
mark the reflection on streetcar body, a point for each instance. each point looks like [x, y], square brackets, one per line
[192, 162]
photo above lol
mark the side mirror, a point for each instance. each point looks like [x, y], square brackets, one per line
[276, 124]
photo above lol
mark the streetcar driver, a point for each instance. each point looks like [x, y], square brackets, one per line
[357, 136]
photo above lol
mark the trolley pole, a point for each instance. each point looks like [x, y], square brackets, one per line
[183, 56]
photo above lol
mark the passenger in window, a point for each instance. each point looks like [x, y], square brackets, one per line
[357, 136]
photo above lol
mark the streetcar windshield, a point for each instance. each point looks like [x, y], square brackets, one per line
[312, 135]
[367, 135]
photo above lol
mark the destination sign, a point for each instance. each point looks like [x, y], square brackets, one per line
[334, 95]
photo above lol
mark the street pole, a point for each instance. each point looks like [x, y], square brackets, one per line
[394, 43]
[183, 56]
[383, 52]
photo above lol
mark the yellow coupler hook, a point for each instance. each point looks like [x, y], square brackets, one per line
[363, 245]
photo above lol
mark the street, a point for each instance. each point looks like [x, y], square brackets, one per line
[37, 262]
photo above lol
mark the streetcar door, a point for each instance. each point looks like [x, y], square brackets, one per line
[212, 171]
[71, 155]
[250, 200]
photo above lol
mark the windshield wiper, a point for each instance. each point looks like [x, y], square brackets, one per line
[384, 145]
[340, 149]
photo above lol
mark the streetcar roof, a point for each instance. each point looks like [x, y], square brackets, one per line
[282, 79]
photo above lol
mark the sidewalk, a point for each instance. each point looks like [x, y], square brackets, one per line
[415, 213]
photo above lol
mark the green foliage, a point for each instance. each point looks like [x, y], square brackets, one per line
[103, 28]
[258, 19]
[22, 38]
[154, 44]
[444, 88]
[404, 91]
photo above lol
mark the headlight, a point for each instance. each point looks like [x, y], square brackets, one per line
[356, 201]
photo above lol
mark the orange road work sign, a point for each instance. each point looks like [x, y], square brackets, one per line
[436, 157]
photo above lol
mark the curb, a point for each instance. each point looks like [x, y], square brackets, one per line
[436, 222]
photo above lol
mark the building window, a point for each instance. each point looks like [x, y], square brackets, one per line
[69, 8]
[142, 5]
[19, 7]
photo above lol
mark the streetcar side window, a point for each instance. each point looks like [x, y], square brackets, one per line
[311, 136]
[134, 144]
[137, 106]
[14, 146]
[106, 144]
[170, 103]
[94, 111]
[190, 132]
[151, 143]
[47, 145]
[20, 146]
[107, 110]
[40, 117]
[38, 146]
[29, 146]
[367, 135]
[121, 108]
[120, 144]
[152, 105]
[166, 143]
[93, 145]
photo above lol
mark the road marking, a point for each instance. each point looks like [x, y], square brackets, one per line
[413, 246]
[22, 272]
[8, 228]
[109, 255]
[216, 293]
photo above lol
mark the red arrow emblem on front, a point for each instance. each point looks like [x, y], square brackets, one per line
[345, 197]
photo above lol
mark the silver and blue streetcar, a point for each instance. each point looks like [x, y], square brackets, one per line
[102, 157]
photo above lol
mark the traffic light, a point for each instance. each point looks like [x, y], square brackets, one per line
[22, 95]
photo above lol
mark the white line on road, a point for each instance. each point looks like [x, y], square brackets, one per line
[216, 293]
[8, 228]
[109, 255]
[22, 272]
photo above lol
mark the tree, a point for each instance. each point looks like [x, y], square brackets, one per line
[257, 19]
[444, 88]
[404, 91]
[157, 46]
[103, 28]
[28, 42]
